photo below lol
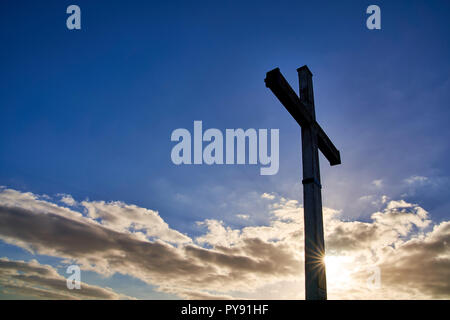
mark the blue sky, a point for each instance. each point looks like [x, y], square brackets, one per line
[90, 113]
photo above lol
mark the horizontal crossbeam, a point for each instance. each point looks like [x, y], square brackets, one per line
[287, 96]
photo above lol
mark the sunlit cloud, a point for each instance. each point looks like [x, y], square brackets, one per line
[268, 196]
[32, 279]
[254, 261]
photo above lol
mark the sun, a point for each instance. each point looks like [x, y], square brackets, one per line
[338, 270]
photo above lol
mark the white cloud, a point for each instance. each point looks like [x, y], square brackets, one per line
[366, 198]
[267, 196]
[123, 217]
[416, 180]
[378, 183]
[67, 199]
[248, 262]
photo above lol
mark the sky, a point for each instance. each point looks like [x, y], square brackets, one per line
[86, 118]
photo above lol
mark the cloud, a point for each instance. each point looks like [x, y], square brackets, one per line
[103, 249]
[416, 180]
[67, 199]
[378, 183]
[122, 217]
[420, 266]
[32, 279]
[223, 262]
[267, 196]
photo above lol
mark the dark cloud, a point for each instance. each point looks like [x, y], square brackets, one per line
[413, 263]
[155, 262]
[60, 236]
[31, 279]
[421, 265]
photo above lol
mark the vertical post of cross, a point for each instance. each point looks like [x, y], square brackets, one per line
[315, 278]
[314, 139]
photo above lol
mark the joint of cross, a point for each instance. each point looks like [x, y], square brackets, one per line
[311, 180]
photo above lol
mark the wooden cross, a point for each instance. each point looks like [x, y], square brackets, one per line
[313, 139]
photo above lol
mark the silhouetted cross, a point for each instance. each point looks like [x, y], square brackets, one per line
[313, 139]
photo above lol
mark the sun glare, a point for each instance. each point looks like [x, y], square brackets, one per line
[338, 270]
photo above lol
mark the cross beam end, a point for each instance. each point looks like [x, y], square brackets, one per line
[327, 147]
[280, 87]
